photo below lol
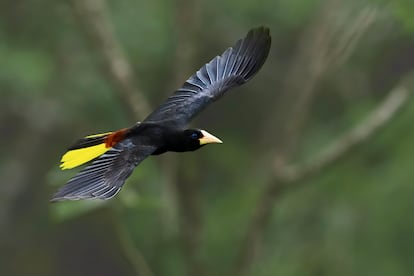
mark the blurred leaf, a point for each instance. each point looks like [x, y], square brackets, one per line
[67, 210]
[25, 70]
[404, 10]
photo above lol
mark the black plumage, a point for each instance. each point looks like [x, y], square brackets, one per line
[165, 129]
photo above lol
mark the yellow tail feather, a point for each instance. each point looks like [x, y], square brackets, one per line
[77, 157]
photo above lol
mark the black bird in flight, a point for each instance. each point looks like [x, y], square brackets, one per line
[114, 155]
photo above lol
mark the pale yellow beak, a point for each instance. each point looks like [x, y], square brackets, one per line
[209, 138]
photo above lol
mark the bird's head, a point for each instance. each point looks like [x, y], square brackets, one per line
[196, 138]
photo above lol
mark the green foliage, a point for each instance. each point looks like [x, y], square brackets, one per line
[403, 10]
[351, 219]
[25, 71]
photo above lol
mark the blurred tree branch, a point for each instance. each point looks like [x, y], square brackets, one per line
[92, 14]
[328, 49]
[99, 30]
[135, 257]
[96, 24]
[183, 183]
[20, 171]
[287, 177]
[381, 116]
[323, 47]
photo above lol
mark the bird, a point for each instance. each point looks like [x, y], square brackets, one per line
[111, 157]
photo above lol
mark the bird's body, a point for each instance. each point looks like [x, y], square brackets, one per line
[164, 137]
[114, 155]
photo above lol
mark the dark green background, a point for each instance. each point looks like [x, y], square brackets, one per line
[187, 214]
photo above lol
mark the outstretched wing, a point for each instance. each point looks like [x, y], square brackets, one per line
[104, 177]
[233, 68]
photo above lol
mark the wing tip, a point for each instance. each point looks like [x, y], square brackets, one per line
[234, 67]
[261, 34]
[250, 53]
[260, 29]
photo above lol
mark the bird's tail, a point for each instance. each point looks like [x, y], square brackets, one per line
[90, 147]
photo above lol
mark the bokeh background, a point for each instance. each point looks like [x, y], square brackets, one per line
[315, 176]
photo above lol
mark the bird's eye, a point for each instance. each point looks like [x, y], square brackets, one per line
[194, 135]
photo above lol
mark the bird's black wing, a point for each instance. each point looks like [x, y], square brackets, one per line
[104, 177]
[233, 68]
